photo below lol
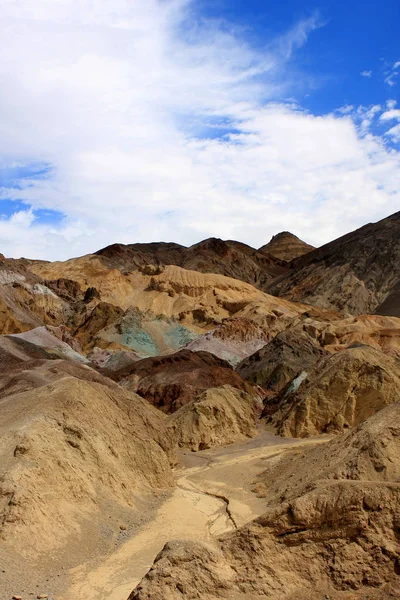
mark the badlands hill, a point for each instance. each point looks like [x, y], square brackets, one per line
[338, 392]
[230, 258]
[148, 383]
[169, 382]
[286, 246]
[357, 273]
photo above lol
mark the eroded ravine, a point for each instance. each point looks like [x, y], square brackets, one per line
[209, 499]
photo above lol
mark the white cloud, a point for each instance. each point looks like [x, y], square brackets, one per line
[390, 115]
[128, 102]
[366, 73]
[392, 75]
[394, 132]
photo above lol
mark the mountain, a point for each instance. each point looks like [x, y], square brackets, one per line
[213, 255]
[286, 246]
[357, 273]
[154, 391]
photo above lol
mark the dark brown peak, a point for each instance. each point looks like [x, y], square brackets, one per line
[181, 360]
[286, 246]
[112, 249]
[214, 245]
[358, 273]
[368, 238]
[284, 235]
[241, 246]
[150, 247]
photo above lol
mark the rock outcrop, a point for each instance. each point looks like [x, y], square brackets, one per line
[233, 340]
[217, 417]
[340, 392]
[169, 382]
[288, 355]
[286, 246]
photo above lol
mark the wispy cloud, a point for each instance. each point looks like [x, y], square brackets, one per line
[161, 125]
[392, 74]
[366, 74]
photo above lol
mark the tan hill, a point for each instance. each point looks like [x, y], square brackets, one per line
[382, 333]
[78, 455]
[169, 382]
[25, 302]
[286, 246]
[329, 529]
[356, 273]
[217, 417]
[338, 393]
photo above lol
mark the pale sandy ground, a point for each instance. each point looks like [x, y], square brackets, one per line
[191, 512]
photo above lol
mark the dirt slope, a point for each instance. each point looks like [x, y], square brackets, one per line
[73, 447]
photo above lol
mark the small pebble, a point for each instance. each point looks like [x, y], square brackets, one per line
[17, 597]
[122, 527]
[42, 596]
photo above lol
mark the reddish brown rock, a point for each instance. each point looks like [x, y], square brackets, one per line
[169, 382]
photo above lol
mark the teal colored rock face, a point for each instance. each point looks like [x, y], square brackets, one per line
[178, 336]
[148, 335]
[140, 341]
[296, 383]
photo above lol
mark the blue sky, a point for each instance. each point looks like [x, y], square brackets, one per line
[357, 36]
[184, 119]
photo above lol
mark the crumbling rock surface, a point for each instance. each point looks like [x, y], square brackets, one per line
[218, 416]
[339, 392]
[169, 382]
[277, 363]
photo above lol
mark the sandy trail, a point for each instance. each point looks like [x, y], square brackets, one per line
[212, 496]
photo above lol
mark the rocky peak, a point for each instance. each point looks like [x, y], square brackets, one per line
[286, 246]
